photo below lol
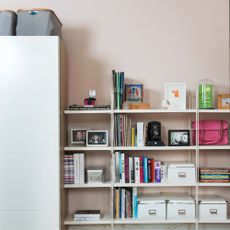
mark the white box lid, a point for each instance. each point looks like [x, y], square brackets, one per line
[181, 165]
[211, 199]
[151, 199]
[179, 198]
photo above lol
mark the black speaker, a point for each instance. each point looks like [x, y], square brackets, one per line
[154, 134]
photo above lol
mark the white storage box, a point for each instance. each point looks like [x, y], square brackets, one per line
[180, 208]
[212, 207]
[8, 20]
[151, 208]
[181, 173]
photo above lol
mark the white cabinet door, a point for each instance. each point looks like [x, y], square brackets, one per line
[29, 133]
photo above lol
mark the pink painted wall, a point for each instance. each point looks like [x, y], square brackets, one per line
[153, 41]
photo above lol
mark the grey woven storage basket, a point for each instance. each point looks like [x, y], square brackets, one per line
[40, 22]
[8, 20]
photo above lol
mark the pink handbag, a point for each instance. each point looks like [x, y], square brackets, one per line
[211, 132]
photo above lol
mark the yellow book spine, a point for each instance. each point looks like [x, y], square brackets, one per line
[117, 204]
[133, 136]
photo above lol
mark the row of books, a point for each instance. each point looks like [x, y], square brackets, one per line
[126, 133]
[125, 203]
[74, 172]
[138, 169]
[215, 175]
[118, 88]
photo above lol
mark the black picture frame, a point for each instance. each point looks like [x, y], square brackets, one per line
[179, 137]
[97, 138]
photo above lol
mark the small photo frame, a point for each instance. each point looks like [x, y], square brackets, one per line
[179, 137]
[175, 94]
[224, 101]
[97, 138]
[78, 136]
[134, 92]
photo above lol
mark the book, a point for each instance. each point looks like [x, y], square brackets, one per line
[140, 133]
[82, 168]
[157, 171]
[117, 168]
[87, 215]
[137, 169]
[76, 158]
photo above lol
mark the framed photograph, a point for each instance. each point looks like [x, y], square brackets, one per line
[179, 137]
[78, 136]
[134, 92]
[97, 138]
[224, 101]
[175, 94]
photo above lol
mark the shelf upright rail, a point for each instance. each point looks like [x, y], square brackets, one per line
[112, 167]
[197, 162]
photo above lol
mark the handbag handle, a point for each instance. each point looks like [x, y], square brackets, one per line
[210, 142]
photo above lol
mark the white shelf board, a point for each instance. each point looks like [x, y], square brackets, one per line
[164, 111]
[214, 184]
[84, 148]
[104, 220]
[148, 148]
[137, 221]
[210, 147]
[90, 185]
[153, 185]
[103, 111]
[214, 111]
[214, 221]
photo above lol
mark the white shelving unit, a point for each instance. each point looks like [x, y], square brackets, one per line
[193, 153]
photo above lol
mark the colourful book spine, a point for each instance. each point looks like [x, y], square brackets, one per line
[137, 169]
[117, 210]
[126, 169]
[152, 170]
[157, 171]
[149, 170]
[145, 169]
[141, 170]
[133, 136]
[135, 203]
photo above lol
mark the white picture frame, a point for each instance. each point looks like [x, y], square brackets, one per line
[175, 94]
[97, 138]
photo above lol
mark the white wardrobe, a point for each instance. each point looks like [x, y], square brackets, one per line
[30, 127]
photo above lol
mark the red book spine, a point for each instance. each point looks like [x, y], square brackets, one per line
[152, 170]
[141, 170]
[149, 170]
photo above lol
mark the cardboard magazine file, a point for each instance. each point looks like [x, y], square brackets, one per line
[212, 207]
[151, 208]
[38, 22]
[8, 20]
[181, 173]
[180, 207]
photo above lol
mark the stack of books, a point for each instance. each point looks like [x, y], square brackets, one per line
[87, 215]
[125, 203]
[139, 169]
[74, 170]
[215, 175]
[128, 134]
[118, 88]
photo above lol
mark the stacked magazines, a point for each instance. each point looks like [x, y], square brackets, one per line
[215, 175]
[87, 215]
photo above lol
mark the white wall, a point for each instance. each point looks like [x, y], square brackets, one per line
[153, 41]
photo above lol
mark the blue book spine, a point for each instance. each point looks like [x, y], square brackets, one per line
[145, 170]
